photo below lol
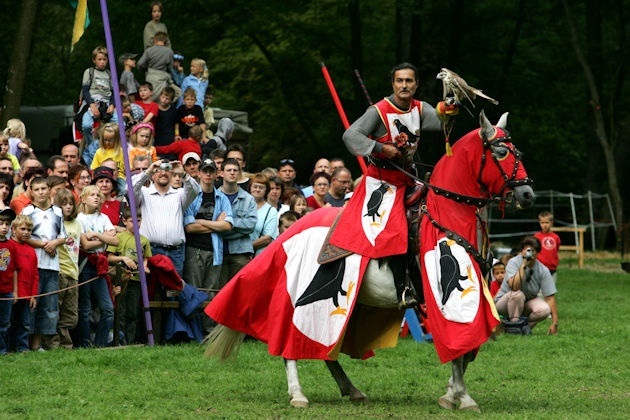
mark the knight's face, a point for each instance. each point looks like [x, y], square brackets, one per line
[404, 85]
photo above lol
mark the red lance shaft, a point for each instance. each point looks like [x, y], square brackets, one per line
[342, 113]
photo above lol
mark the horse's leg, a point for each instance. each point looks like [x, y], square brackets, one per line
[456, 392]
[465, 401]
[345, 386]
[295, 390]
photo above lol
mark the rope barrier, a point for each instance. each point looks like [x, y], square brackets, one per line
[56, 291]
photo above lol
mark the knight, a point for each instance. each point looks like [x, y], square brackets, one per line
[388, 132]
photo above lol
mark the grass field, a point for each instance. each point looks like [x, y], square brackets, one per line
[584, 372]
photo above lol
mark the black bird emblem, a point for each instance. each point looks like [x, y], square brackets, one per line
[326, 284]
[375, 202]
[450, 274]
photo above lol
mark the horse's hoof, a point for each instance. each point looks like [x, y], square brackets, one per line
[358, 397]
[446, 401]
[468, 404]
[299, 400]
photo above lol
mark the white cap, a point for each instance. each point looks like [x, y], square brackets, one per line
[190, 155]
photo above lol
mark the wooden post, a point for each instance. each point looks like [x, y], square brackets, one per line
[579, 246]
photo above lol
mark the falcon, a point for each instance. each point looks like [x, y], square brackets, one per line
[453, 84]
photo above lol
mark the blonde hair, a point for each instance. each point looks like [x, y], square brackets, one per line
[87, 191]
[202, 63]
[22, 219]
[110, 128]
[134, 137]
[98, 50]
[15, 128]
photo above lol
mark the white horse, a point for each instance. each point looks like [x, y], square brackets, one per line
[378, 290]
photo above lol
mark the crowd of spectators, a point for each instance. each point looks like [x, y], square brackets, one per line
[65, 222]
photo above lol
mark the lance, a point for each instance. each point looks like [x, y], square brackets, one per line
[132, 198]
[342, 113]
[367, 95]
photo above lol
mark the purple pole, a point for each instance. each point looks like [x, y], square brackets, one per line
[132, 198]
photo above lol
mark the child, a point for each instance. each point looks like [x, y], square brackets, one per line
[180, 148]
[150, 108]
[154, 25]
[126, 253]
[498, 272]
[28, 282]
[188, 115]
[166, 117]
[97, 94]
[286, 220]
[157, 61]
[197, 80]
[178, 71]
[8, 279]
[99, 232]
[142, 142]
[16, 131]
[127, 79]
[68, 269]
[48, 233]
[298, 205]
[208, 113]
[549, 244]
[4, 152]
[110, 149]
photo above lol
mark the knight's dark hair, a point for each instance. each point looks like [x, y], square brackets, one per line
[530, 241]
[404, 66]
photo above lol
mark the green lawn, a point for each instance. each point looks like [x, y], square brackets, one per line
[584, 372]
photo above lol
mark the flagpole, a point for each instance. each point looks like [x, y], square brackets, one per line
[340, 110]
[130, 192]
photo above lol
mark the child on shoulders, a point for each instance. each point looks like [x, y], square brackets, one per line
[110, 148]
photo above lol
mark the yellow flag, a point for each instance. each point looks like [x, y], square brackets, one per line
[81, 21]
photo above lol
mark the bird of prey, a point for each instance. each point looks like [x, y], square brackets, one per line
[453, 84]
[449, 272]
[326, 284]
[375, 202]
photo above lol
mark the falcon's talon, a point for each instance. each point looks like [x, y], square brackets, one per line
[339, 311]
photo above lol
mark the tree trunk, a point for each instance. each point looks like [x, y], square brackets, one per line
[509, 55]
[598, 115]
[19, 60]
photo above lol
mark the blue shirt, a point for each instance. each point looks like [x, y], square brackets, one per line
[267, 224]
[244, 211]
[221, 204]
[195, 83]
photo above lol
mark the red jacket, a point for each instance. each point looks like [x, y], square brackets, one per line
[28, 276]
[180, 148]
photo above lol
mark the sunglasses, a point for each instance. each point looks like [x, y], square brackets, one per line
[287, 162]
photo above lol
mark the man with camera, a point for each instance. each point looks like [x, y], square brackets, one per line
[163, 208]
[525, 276]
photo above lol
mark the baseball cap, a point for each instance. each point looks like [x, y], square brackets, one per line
[190, 155]
[208, 163]
[126, 56]
[103, 172]
[8, 212]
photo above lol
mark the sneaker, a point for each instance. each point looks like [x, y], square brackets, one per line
[40, 350]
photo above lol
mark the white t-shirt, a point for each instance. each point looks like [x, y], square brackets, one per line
[95, 222]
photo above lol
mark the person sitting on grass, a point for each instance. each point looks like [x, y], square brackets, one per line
[518, 294]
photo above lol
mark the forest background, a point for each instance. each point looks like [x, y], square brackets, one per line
[559, 68]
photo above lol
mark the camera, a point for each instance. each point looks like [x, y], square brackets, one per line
[529, 254]
[166, 166]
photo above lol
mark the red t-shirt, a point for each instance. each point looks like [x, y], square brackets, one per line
[549, 247]
[111, 209]
[494, 288]
[151, 107]
[312, 203]
[28, 276]
[7, 266]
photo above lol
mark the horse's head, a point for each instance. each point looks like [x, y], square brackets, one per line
[501, 172]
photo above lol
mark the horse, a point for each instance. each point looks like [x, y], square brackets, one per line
[449, 221]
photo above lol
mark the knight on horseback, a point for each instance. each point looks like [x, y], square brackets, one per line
[389, 131]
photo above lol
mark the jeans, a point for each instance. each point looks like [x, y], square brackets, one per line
[44, 317]
[175, 255]
[20, 325]
[5, 321]
[199, 272]
[98, 291]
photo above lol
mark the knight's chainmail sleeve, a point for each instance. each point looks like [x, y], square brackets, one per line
[356, 137]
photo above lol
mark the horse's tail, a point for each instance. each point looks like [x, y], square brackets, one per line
[223, 343]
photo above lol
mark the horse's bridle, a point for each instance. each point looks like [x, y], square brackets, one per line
[499, 151]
